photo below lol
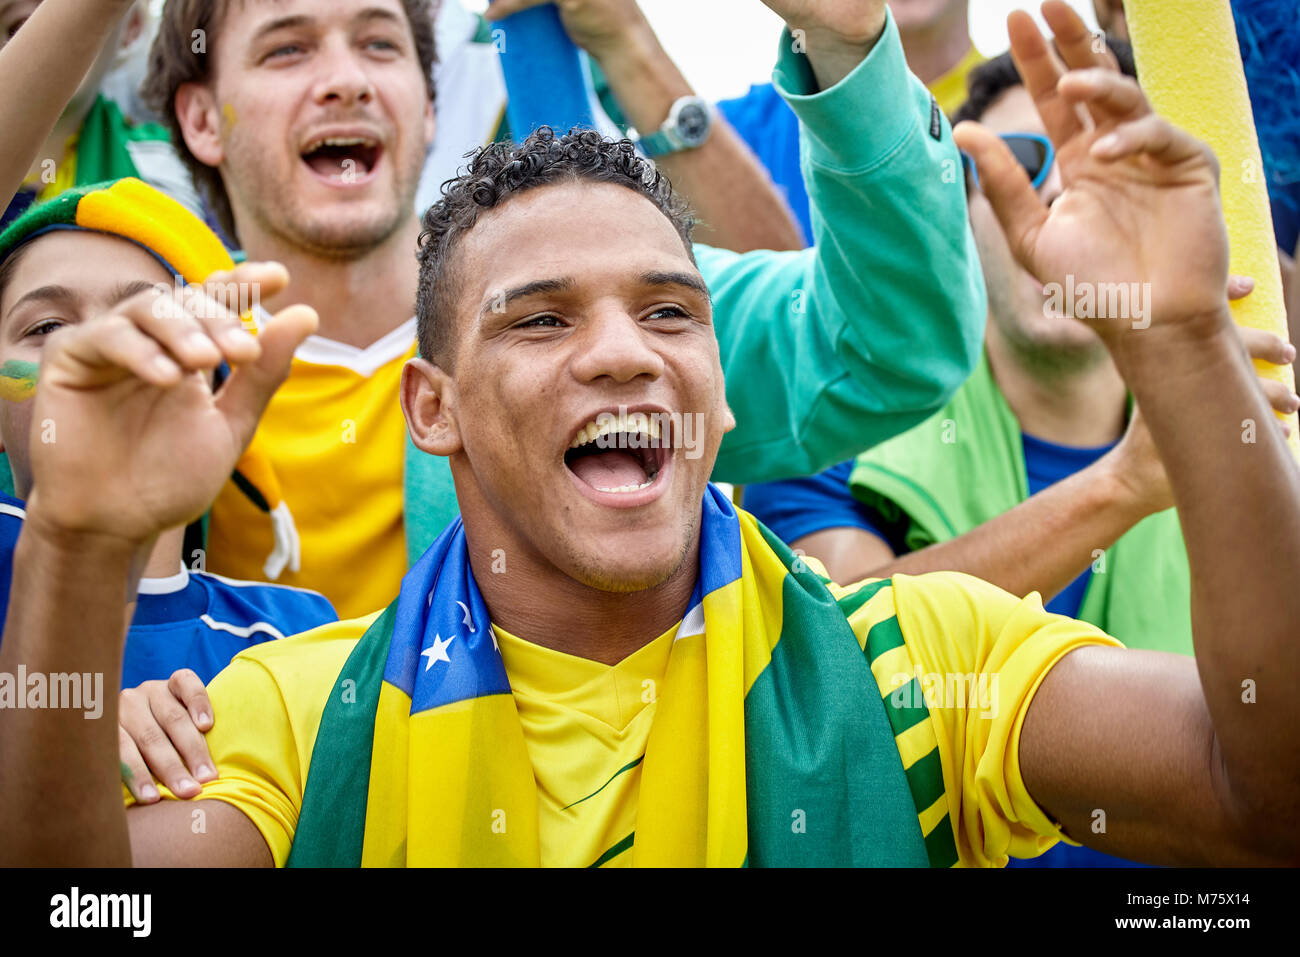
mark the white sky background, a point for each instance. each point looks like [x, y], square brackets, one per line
[725, 45]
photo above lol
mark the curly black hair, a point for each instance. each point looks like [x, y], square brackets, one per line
[501, 170]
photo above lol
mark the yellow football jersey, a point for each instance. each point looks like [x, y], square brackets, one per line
[586, 725]
[336, 438]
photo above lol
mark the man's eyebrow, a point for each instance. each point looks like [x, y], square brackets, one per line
[302, 19]
[128, 289]
[51, 293]
[498, 301]
[689, 280]
[281, 23]
[378, 13]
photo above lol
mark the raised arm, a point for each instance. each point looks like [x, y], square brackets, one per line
[47, 59]
[832, 349]
[143, 445]
[738, 206]
[1188, 761]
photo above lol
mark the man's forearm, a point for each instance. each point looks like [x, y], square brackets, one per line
[60, 797]
[732, 195]
[1041, 545]
[47, 60]
[833, 55]
[1238, 495]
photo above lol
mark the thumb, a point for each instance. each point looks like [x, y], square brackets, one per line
[1005, 184]
[247, 282]
[245, 394]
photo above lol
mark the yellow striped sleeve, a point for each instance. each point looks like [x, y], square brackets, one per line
[957, 662]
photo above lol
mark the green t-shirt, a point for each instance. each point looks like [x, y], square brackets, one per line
[966, 465]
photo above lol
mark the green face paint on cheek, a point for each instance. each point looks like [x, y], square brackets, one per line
[18, 380]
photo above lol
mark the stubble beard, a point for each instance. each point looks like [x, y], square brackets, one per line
[1042, 357]
[339, 237]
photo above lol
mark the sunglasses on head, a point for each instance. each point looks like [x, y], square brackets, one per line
[1033, 152]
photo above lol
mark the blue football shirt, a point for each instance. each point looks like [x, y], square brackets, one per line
[191, 619]
[793, 508]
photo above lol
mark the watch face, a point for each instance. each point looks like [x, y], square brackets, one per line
[693, 124]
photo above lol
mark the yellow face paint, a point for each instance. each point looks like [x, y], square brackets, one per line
[18, 380]
[227, 119]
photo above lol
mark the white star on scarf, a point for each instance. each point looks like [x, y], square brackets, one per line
[438, 652]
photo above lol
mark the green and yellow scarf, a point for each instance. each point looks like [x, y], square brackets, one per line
[771, 746]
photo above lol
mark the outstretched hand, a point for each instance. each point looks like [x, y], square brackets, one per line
[1141, 201]
[129, 438]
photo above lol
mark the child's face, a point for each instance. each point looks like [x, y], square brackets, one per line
[62, 278]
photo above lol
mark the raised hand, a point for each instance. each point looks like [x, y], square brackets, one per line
[836, 34]
[1141, 200]
[131, 438]
[601, 27]
[852, 20]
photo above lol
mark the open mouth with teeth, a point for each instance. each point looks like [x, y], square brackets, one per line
[342, 158]
[618, 454]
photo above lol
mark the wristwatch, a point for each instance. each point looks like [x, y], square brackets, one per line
[688, 125]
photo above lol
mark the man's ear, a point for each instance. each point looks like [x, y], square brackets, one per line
[430, 124]
[201, 122]
[429, 404]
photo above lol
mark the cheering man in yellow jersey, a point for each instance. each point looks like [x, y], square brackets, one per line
[607, 664]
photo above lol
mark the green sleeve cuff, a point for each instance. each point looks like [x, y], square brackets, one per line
[860, 120]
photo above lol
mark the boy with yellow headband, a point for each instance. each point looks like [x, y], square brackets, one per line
[125, 247]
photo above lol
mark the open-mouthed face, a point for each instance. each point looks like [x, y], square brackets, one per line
[318, 116]
[62, 278]
[583, 404]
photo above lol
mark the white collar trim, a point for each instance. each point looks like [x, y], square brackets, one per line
[365, 362]
[165, 586]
